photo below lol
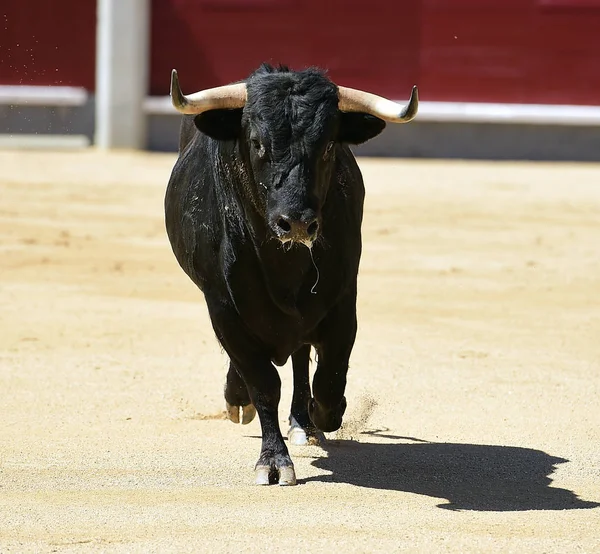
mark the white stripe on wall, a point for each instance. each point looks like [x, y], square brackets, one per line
[456, 112]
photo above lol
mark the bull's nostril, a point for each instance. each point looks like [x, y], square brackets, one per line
[312, 228]
[284, 225]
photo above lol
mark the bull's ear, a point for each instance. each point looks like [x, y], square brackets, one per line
[356, 128]
[220, 124]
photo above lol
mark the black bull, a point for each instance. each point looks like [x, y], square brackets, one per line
[263, 211]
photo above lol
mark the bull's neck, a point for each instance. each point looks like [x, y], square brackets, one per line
[248, 201]
[285, 268]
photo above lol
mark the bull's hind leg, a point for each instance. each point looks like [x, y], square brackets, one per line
[302, 430]
[237, 398]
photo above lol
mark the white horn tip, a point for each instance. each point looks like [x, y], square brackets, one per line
[413, 105]
[177, 98]
[174, 81]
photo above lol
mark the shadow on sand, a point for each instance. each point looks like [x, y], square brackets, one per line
[469, 476]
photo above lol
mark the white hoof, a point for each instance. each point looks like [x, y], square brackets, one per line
[287, 476]
[233, 413]
[298, 436]
[248, 414]
[261, 475]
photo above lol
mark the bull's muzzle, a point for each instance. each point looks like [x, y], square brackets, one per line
[303, 229]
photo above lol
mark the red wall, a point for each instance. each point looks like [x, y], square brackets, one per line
[531, 51]
[47, 42]
[375, 47]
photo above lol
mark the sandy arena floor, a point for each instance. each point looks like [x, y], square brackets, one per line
[474, 392]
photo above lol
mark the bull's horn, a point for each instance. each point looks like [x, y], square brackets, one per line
[219, 98]
[352, 100]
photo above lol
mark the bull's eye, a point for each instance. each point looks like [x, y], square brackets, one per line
[328, 150]
[259, 148]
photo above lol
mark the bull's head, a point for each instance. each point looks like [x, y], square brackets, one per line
[288, 125]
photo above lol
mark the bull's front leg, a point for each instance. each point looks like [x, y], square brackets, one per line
[264, 386]
[337, 333]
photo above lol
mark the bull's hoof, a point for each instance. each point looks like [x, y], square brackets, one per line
[233, 413]
[270, 475]
[299, 436]
[326, 419]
